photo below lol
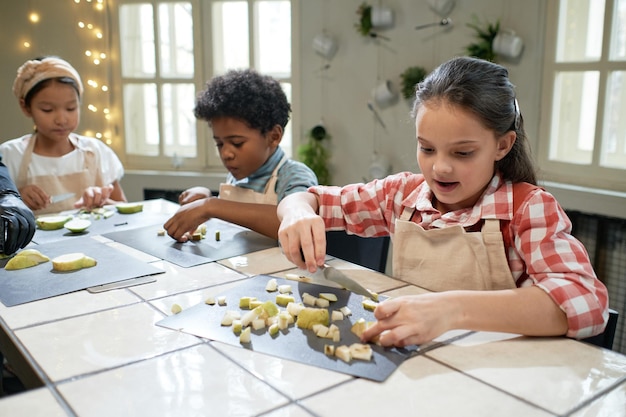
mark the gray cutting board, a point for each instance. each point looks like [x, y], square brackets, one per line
[294, 344]
[234, 241]
[41, 281]
[117, 222]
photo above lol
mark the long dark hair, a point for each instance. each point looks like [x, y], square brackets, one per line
[484, 89]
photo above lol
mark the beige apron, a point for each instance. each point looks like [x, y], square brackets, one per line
[69, 183]
[450, 258]
[246, 195]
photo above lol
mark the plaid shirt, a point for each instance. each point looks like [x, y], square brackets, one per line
[542, 251]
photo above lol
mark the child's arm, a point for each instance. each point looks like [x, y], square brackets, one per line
[421, 318]
[258, 217]
[302, 231]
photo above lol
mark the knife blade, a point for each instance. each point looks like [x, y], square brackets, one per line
[61, 197]
[335, 275]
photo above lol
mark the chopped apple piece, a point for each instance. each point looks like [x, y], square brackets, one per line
[272, 285]
[328, 296]
[361, 351]
[284, 320]
[329, 350]
[346, 311]
[336, 315]
[322, 303]
[52, 222]
[230, 316]
[255, 303]
[343, 353]
[221, 300]
[270, 308]
[237, 326]
[294, 308]
[273, 329]
[368, 304]
[72, 262]
[284, 289]
[245, 335]
[359, 327]
[310, 316]
[210, 300]
[308, 299]
[129, 208]
[244, 302]
[284, 299]
[258, 324]
[26, 259]
[251, 315]
[176, 308]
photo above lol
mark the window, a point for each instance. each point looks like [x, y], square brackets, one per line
[168, 49]
[585, 94]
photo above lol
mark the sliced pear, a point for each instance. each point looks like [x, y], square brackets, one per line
[26, 259]
[52, 222]
[129, 208]
[72, 262]
[310, 316]
[77, 225]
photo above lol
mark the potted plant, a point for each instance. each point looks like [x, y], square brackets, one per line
[483, 47]
[315, 153]
[371, 17]
[409, 79]
[364, 25]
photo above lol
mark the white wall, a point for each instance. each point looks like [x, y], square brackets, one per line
[340, 94]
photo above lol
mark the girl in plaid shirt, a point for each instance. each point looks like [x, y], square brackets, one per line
[494, 249]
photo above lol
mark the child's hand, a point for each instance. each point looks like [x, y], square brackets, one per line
[302, 237]
[410, 320]
[94, 197]
[34, 197]
[186, 220]
[193, 194]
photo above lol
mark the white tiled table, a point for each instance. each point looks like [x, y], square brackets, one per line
[101, 354]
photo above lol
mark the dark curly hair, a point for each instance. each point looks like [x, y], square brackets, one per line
[484, 89]
[258, 100]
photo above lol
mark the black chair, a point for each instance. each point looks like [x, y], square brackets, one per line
[605, 339]
[370, 252]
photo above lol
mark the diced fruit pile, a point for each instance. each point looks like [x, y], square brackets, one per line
[310, 315]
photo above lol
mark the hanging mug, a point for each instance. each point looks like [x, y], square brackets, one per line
[507, 44]
[324, 45]
[442, 7]
[382, 17]
[383, 94]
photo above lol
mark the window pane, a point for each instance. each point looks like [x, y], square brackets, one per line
[176, 40]
[137, 40]
[287, 142]
[273, 37]
[230, 36]
[580, 30]
[179, 123]
[618, 32]
[141, 120]
[574, 116]
[614, 138]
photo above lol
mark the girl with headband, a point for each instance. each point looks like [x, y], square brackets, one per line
[53, 160]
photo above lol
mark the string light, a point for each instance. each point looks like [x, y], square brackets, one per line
[92, 34]
[96, 56]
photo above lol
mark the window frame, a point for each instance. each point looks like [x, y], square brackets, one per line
[207, 159]
[591, 175]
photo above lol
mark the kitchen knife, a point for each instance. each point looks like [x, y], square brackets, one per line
[61, 197]
[335, 275]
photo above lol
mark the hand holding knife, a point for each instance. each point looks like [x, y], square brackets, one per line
[61, 197]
